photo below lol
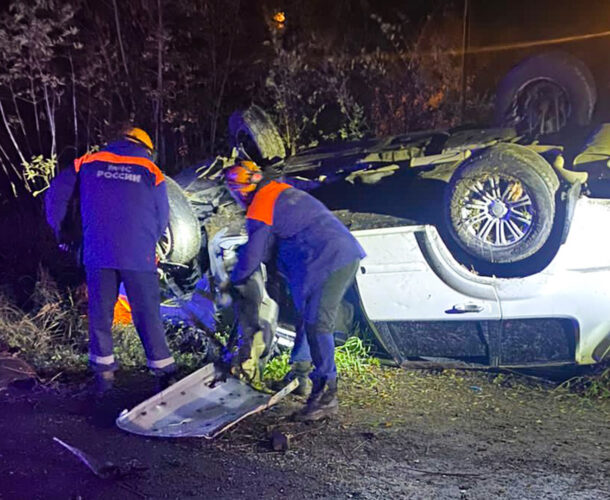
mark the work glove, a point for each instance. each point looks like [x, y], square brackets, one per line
[223, 295]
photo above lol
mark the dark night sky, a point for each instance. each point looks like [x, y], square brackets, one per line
[492, 21]
[506, 21]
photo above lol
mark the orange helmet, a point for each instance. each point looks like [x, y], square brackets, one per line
[242, 180]
[138, 135]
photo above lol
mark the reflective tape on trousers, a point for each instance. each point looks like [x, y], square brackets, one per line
[160, 363]
[102, 360]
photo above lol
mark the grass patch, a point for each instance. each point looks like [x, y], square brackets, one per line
[130, 354]
[277, 367]
[594, 386]
[353, 360]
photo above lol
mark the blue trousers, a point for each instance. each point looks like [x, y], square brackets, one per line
[142, 289]
[318, 314]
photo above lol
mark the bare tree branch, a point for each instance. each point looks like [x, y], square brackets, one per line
[35, 106]
[159, 102]
[9, 163]
[19, 117]
[117, 90]
[120, 37]
[14, 141]
[74, 106]
[11, 135]
[225, 77]
[51, 117]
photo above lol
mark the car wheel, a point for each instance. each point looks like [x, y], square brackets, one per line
[500, 204]
[546, 93]
[181, 242]
[253, 131]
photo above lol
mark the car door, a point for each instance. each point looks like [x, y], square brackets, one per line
[420, 301]
[560, 314]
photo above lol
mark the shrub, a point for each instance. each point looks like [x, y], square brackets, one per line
[52, 335]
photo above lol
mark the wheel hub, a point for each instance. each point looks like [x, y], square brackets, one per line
[497, 211]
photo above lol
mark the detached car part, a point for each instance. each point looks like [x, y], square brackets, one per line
[199, 405]
[223, 256]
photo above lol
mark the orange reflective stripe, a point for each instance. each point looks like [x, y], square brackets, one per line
[263, 204]
[107, 157]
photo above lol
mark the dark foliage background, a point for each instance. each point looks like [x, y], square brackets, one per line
[74, 72]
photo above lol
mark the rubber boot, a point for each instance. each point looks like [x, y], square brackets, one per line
[103, 408]
[104, 382]
[322, 403]
[164, 380]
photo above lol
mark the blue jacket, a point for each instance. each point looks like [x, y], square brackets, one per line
[309, 241]
[123, 202]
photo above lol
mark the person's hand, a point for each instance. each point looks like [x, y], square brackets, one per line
[223, 297]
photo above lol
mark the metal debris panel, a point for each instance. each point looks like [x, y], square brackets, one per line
[197, 407]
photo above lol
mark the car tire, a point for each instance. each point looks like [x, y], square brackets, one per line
[555, 85]
[185, 278]
[500, 204]
[255, 133]
[181, 241]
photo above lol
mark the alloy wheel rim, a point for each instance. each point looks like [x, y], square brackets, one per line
[497, 211]
[164, 245]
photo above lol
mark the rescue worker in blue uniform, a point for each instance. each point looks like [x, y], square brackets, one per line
[124, 210]
[317, 255]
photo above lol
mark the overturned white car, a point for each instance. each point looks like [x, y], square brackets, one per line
[482, 247]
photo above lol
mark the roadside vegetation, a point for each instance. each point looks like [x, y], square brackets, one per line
[595, 385]
[52, 337]
[353, 360]
[194, 63]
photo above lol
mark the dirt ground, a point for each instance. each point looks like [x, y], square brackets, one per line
[408, 434]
